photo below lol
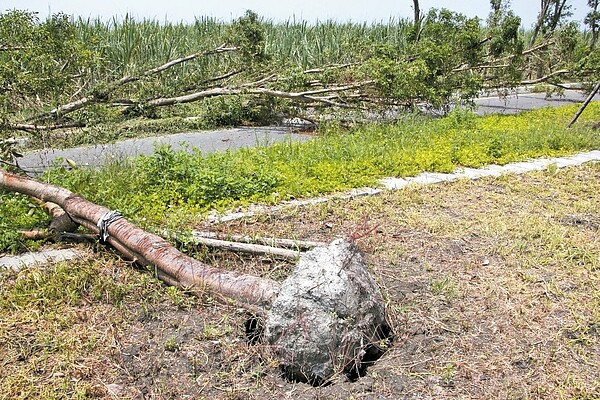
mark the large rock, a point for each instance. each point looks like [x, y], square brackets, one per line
[329, 316]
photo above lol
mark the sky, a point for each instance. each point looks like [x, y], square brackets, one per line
[276, 10]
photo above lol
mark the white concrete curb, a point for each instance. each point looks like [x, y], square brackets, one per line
[425, 178]
[38, 258]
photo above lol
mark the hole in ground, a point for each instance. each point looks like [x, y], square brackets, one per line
[254, 331]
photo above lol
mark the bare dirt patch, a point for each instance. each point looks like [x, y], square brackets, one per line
[492, 288]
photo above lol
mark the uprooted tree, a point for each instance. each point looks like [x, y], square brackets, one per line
[327, 318]
[57, 75]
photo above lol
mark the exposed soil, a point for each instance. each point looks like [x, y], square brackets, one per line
[492, 288]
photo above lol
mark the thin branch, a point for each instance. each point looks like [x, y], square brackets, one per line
[492, 63]
[67, 108]
[270, 78]
[329, 67]
[127, 79]
[83, 102]
[11, 48]
[212, 80]
[255, 249]
[545, 78]
[267, 241]
[33, 127]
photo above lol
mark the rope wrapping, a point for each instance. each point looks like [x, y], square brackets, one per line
[104, 223]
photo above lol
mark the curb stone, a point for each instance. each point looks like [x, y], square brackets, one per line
[26, 260]
[424, 178]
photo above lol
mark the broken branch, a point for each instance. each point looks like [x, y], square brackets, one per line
[267, 241]
[127, 79]
[305, 97]
[545, 78]
[81, 103]
[255, 249]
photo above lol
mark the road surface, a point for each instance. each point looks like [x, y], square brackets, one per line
[231, 139]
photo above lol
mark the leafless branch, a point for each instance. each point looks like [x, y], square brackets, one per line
[329, 67]
[127, 79]
[10, 48]
[545, 78]
[34, 127]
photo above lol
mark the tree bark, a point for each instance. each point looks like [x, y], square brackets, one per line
[147, 249]
[417, 13]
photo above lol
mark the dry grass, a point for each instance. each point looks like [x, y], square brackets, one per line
[493, 289]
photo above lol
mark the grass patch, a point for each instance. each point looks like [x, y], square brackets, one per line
[492, 287]
[56, 324]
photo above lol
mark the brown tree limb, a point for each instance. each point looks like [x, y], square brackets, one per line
[61, 222]
[148, 249]
[36, 234]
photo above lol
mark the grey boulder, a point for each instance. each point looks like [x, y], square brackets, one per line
[329, 316]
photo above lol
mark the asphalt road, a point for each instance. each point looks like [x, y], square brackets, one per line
[206, 141]
[527, 101]
[231, 139]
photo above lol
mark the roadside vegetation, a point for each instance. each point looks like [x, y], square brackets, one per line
[176, 188]
[66, 81]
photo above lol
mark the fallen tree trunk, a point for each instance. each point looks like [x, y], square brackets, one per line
[327, 318]
[147, 249]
